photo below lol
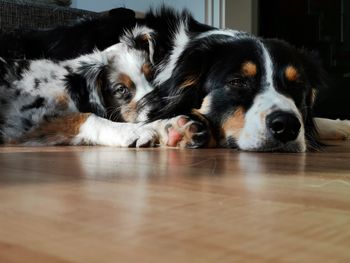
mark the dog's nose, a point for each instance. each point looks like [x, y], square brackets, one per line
[283, 126]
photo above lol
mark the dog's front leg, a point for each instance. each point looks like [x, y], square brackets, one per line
[89, 129]
[180, 131]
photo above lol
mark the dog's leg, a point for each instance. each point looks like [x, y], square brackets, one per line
[333, 129]
[89, 129]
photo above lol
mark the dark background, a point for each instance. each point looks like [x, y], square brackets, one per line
[320, 25]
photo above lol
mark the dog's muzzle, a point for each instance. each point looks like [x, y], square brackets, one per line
[283, 126]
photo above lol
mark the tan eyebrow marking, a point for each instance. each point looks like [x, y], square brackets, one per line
[291, 73]
[126, 80]
[249, 69]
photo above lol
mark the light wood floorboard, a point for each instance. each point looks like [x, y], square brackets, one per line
[98, 204]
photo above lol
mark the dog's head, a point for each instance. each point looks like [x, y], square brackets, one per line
[256, 94]
[129, 74]
[119, 76]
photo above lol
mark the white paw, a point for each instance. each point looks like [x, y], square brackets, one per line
[143, 137]
[148, 138]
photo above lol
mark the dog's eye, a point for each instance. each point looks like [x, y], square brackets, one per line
[237, 82]
[120, 89]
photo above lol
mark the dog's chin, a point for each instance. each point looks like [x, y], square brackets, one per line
[129, 113]
[264, 146]
[274, 146]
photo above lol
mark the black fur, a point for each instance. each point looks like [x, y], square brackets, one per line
[38, 102]
[79, 89]
[67, 42]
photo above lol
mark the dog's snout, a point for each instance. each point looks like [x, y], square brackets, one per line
[283, 126]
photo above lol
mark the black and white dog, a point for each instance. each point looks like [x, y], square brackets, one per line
[249, 93]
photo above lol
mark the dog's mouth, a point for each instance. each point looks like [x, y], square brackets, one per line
[291, 147]
[263, 142]
[267, 145]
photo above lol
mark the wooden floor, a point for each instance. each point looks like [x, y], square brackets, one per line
[98, 204]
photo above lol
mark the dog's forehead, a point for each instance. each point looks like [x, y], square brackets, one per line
[130, 61]
[283, 55]
[234, 55]
[135, 56]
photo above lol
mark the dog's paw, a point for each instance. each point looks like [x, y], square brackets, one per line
[144, 137]
[183, 132]
[148, 138]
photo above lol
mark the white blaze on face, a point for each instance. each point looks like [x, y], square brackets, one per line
[129, 61]
[255, 135]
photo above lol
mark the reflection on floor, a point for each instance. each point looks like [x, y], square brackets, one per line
[97, 204]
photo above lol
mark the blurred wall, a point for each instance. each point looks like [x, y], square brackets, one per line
[197, 7]
[242, 15]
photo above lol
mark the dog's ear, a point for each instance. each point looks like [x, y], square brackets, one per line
[315, 73]
[86, 85]
[142, 38]
[182, 90]
[318, 81]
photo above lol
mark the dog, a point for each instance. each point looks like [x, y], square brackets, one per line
[248, 93]
[82, 101]
[255, 94]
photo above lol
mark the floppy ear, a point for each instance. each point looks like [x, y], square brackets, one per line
[142, 38]
[314, 72]
[183, 90]
[318, 81]
[86, 84]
